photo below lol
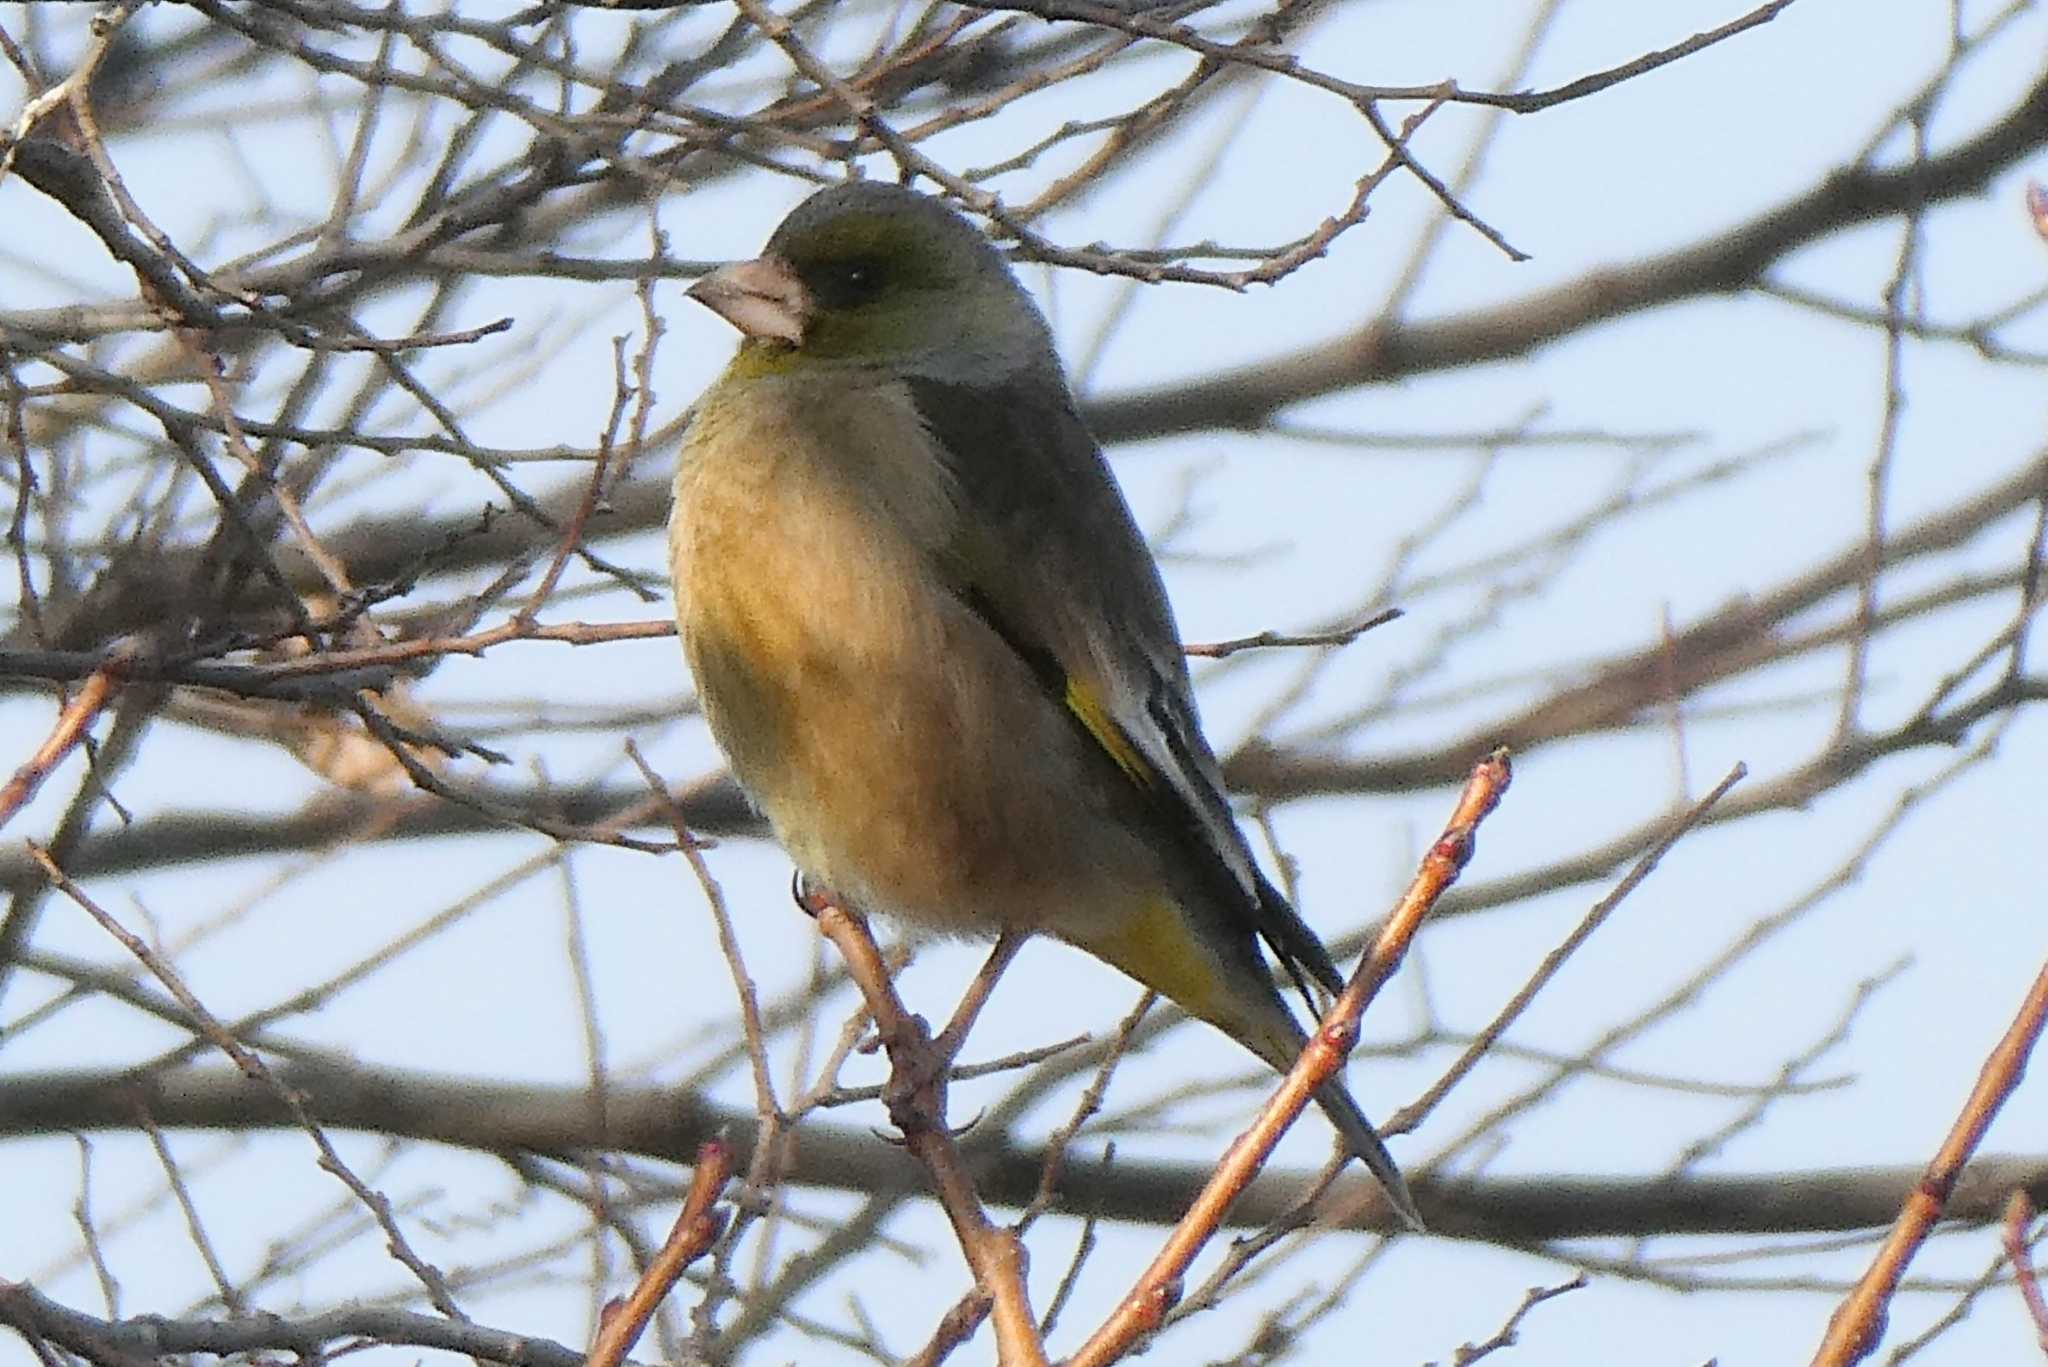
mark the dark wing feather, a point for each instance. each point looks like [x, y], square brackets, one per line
[1058, 569]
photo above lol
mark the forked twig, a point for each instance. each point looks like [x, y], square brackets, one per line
[2019, 1213]
[72, 724]
[203, 1023]
[1411, 1115]
[697, 1227]
[949, 1040]
[917, 1106]
[1508, 1334]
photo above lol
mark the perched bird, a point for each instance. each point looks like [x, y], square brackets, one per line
[930, 640]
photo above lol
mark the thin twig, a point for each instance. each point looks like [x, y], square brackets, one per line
[1508, 1333]
[256, 1070]
[954, 1328]
[918, 1109]
[2019, 1213]
[948, 1041]
[697, 1226]
[148, 1339]
[593, 491]
[1409, 1116]
[1857, 1324]
[1159, 1287]
[72, 724]
[1266, 640]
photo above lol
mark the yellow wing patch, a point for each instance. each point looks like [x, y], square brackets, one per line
[1088, 709]
[1159, 949]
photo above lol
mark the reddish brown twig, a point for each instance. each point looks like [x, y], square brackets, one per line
[697, 1227]
[1411, 1115]
[955, 1327]
[1159, 1288]
[2019, 1214]
[1858, 1323]
[593, 492]
[72, 724]
[917, 1107]
[950, 1039]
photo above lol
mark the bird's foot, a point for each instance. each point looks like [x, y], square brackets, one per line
[915, 1093]
[811, 898]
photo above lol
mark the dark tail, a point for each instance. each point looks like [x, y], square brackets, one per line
[1364, 1143]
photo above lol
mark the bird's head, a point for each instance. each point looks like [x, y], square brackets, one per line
[871, 274]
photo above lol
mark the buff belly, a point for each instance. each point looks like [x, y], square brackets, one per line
[902, 752]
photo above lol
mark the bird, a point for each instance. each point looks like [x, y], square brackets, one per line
[929, 638]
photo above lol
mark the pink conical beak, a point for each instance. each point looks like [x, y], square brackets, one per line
[762, 298]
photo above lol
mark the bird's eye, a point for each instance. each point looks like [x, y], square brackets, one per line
[847, 283]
